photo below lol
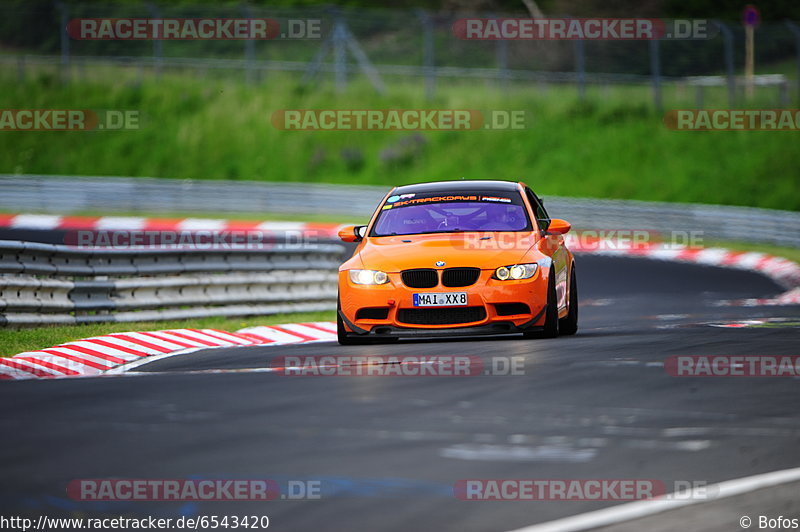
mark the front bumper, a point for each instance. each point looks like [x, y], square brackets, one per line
[487, 293]
[494, 328]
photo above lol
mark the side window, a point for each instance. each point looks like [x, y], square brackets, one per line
[542, 218]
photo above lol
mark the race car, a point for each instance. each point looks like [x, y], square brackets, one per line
[465, 257]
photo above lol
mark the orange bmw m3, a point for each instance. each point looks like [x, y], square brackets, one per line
[457, 258]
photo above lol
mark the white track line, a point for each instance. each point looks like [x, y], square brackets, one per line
[636, 510]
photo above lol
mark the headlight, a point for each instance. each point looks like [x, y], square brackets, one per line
[368, 277]
[515, 272]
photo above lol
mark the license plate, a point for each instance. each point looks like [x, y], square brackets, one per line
[440, 299]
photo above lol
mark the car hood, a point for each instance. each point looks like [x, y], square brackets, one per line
[478, 250]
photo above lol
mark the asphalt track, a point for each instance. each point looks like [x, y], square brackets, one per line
[388, 450]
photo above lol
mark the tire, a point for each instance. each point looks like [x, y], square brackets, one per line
[550, 328]
[569, 324]
[343, 336]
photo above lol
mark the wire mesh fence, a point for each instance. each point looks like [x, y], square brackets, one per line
[340, 44]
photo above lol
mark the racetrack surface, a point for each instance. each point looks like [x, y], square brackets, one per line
[388, 450]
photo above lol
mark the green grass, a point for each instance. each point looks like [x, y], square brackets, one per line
[15, 341]
[613, 145]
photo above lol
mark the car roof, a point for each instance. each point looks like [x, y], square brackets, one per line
[458, 186]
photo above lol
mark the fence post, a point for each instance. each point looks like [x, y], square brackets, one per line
[580, 67]
[341, 40]
[340, 53]
[501, 53]
[428, 65]
[655, 69]
[21, 68]
[64, 10]
[795, 29]
[249, 50]
[727, 36]
[698, 96]
[158, 44]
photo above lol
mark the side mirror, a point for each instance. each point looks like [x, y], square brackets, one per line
[558, 227]
[352, 233]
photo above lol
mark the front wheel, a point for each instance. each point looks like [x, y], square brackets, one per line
[550, 328]
[569, 324]
[343, 337]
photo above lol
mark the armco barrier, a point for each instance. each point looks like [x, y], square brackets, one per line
[86, 285]
[61, 194]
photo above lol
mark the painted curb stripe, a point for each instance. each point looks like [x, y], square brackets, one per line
[65, 365]
[136, 223]
[193, 339]
[80, 360]
[101, 345]
[228, 338]
[128, 337]
[289, 329]
[161, 336]
[19, 364]
[133, 349]
[49, 365]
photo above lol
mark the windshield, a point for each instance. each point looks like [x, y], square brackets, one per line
[413, 214]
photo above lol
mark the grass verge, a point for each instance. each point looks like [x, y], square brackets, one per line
[613, 144]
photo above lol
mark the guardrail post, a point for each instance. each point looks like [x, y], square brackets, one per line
[727, 36]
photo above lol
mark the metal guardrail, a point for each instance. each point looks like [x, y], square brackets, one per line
[62, 194]
[122, 285]
[709, 222]
[131, 194]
